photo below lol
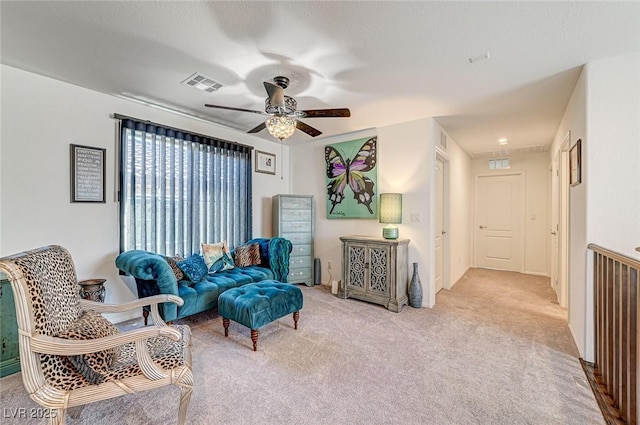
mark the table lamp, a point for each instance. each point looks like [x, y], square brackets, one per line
[390, 213]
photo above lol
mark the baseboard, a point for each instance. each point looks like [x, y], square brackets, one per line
[537, 274]
[459, 277]
[610, 414]
[575, 340]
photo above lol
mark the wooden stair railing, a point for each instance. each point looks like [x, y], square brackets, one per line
[615, 373]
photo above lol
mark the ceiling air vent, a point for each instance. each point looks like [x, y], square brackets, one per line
[202, 82]
[443, 140]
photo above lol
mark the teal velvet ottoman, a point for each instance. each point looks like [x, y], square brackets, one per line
[257, 304]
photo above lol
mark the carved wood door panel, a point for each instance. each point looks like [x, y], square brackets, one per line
[369, 268]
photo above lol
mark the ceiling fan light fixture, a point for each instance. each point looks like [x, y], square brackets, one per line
[288, 107]
[281, 126]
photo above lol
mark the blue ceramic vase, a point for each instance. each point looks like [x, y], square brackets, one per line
[415, 289]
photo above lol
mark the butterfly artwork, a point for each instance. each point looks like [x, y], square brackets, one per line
[351, 165]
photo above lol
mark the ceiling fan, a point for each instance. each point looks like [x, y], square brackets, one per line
[283, 112]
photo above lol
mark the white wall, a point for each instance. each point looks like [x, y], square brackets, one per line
[574, 120]
[406, 164]
[611, 166]
[536, 223]
[612, 161]
[40, 118]
[604, 111]
[403, 153]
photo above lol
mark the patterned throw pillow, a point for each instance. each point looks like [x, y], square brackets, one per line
[172, 261]
[193, 268]
[247, 255]
[217, 256]
[91, 325]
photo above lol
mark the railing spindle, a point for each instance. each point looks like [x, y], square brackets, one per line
[615, 291]
[624, 342]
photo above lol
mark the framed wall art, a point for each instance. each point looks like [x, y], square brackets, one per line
[88, 174]
[352, 178]
[265, 162]
[575, 164]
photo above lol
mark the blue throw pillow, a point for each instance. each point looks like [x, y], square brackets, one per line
[193, 268]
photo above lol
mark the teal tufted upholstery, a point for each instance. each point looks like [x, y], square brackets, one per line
[274, 254]
[154, 276]
[260, 303]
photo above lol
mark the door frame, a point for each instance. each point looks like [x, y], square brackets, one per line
[446, 264]
[554, 223]
[522, 245]
[563, 221]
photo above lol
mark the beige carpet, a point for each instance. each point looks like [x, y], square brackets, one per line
[495, 350]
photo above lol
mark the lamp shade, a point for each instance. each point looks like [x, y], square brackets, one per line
[391, 208]
[281, 126]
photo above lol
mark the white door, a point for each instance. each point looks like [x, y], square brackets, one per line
[499, 218]
[439, 223]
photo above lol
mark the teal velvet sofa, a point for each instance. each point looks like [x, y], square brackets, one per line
[153, 276]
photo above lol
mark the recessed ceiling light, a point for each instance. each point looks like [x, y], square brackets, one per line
[503, 141]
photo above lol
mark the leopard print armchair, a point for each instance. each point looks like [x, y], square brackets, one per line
[70, 355]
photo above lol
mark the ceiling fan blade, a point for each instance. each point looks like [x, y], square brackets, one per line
[276, 94]
[234, 109]
[258, 128]
[313, 132]
[327, 113]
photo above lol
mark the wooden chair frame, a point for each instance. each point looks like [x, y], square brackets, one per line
[32, 344]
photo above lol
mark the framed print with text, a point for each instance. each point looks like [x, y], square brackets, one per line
[87, 174]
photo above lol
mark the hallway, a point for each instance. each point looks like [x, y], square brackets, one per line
[514, 324]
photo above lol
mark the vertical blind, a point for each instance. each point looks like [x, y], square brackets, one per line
[178, 189]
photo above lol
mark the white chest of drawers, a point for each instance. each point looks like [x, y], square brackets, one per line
[293, 220]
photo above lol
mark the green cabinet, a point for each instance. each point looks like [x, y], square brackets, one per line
[10, 358]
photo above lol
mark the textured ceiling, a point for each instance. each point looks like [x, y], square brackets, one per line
[388, 62]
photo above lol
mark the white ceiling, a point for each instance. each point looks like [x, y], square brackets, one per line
[388, 62]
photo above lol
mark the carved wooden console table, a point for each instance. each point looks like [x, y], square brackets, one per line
[375, 270]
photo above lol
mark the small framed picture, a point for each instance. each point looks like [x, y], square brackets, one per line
[575, 164]
[87, 174]
[265, 162]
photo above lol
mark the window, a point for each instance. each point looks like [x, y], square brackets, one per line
[499, 163]
[178, 189]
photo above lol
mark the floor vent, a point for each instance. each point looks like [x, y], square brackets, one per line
[202, 82]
